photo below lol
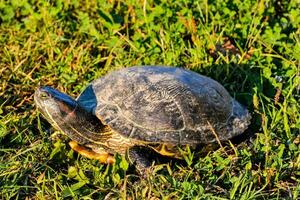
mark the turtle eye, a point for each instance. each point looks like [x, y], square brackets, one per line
[43, 95]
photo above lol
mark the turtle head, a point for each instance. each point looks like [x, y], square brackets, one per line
[65, 114]
[54, 105]
[239, 119]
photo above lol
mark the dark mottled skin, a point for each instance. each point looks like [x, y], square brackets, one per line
[167, 104]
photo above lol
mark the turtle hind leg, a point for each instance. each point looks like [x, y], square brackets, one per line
[142, 158]
[103, 156]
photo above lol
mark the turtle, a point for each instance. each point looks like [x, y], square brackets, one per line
[137, 110]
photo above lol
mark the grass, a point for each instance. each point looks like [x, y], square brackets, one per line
[251, 47]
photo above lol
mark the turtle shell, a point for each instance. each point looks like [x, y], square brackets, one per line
[162, 105]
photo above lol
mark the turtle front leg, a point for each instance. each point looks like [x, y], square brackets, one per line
[103, 156]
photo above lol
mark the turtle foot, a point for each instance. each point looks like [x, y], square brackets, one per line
[103, 156]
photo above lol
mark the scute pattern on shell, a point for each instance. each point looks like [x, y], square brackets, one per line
[163, 105]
